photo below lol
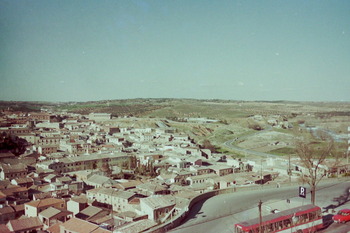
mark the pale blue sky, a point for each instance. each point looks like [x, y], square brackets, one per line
[241, 50]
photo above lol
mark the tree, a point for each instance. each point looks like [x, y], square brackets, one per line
[13, 143]
[312, 157]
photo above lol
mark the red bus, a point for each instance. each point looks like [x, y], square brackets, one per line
[302, 219]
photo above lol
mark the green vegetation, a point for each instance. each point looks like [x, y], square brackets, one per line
[21, 106]
[283, 151]
[13, 144]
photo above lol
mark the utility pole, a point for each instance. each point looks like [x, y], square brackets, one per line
[289, 170]
[260, 217]
[112, 214]
[347, 153]
[261, 173]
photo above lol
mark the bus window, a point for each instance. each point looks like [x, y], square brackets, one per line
[279, 225]
[303, 218]
[257, 230]
[287, 222]
[269, 227]
[312, 215]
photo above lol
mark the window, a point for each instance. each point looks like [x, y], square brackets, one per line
[304, 218]
[287, 223]
[279, 225]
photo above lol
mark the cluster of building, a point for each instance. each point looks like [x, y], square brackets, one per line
[87, 173]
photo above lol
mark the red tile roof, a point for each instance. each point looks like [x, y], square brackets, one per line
[44, 202]
[79, 226]
[54, 228]
[4, 229]
[24, 224]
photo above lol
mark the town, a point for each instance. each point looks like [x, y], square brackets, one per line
[93, 173]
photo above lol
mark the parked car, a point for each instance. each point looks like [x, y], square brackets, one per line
[342, 216]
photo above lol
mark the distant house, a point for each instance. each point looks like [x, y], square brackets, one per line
[13, 171]
[15, 194]
[53, 215]
[98, 181]
[41, 195]
[58, 186]
[202, 179]
[6, 155]
[22, 225]
[153, 189]
[139, 226]
[23, 182]
[200, 170]
[167, 178]
[6, 213]
[202, 187]
[128, 185]
[76, 187]
[221, 170]
[4, 229]
[119, 200]
[48, 141]
[47, 149]
[158, 208]
[197, 161]
[19, 210]
[64, 180]
[77, 204]
[50, 178]
[33, 208]
[42, 117]
[182, 176]
[100, 116]
[227, 181]
[91, 212]
[77, 225]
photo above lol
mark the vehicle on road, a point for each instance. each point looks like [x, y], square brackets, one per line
[342, 216]
[307, 218]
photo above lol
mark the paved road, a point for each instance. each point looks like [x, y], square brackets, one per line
[220, 213]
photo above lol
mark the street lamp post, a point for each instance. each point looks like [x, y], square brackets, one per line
[261, 173]
[260, 216]
[289, 170]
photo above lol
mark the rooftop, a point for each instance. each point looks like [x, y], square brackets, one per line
[78, 226]
[24, 224]
[44, 202]
[51, 212]
[13, 168]
[157, 202]
[88, 212]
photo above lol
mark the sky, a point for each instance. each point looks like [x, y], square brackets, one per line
[85, 50]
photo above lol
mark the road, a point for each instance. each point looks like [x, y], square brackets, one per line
[232, 147]
[220, 213]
